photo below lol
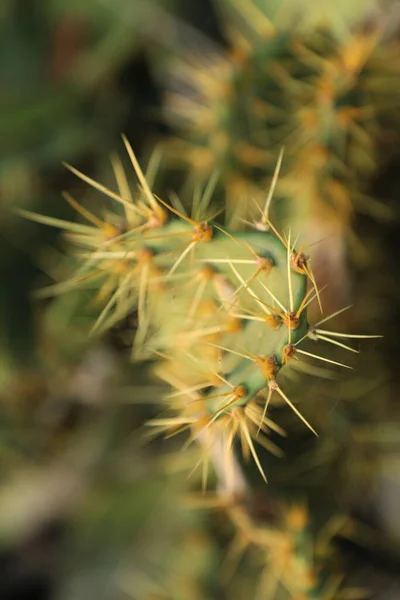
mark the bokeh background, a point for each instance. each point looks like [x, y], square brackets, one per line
[88, 509]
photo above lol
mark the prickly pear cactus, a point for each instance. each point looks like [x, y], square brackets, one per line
[221, 312]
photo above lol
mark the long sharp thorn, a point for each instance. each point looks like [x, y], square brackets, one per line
[328, 360]
[232, 237]
[202, 332]
[273, 297]
[304, 302]
[122, 182]
[248, 222]
[335, 314]
[276, 232]
[319, 241]
[212, 420]
[251, 356]
[252, 294]
[189, 391]
[118, 292]
[127, 254]
[178, 213]
[180, 259]
[83, 211]
[60, 288]
[102, 188]
[230, 351]
[196, 466]
[250, 249]
[311, 299]
[310, 274]
[249, 318]
[247, 435]
[248, 282]
[169, 422]
[336, 343]
[265, 410]
[167, 236]
[274, 181]
[297, 412]
[347, 335]
[259, 208]
[176, 431]
[58, 223]
[219, 376]
[289, 274]
[139, 173]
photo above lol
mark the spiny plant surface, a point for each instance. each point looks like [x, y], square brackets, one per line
[321, 92]
[291, 561]
[286, 558]
[220, 312]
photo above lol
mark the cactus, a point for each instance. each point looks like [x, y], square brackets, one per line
[220, 313]
[218, 310]
[223, 311]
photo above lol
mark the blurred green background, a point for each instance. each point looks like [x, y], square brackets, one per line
[88, 510]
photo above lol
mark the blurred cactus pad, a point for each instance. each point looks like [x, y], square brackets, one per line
[319, 81]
